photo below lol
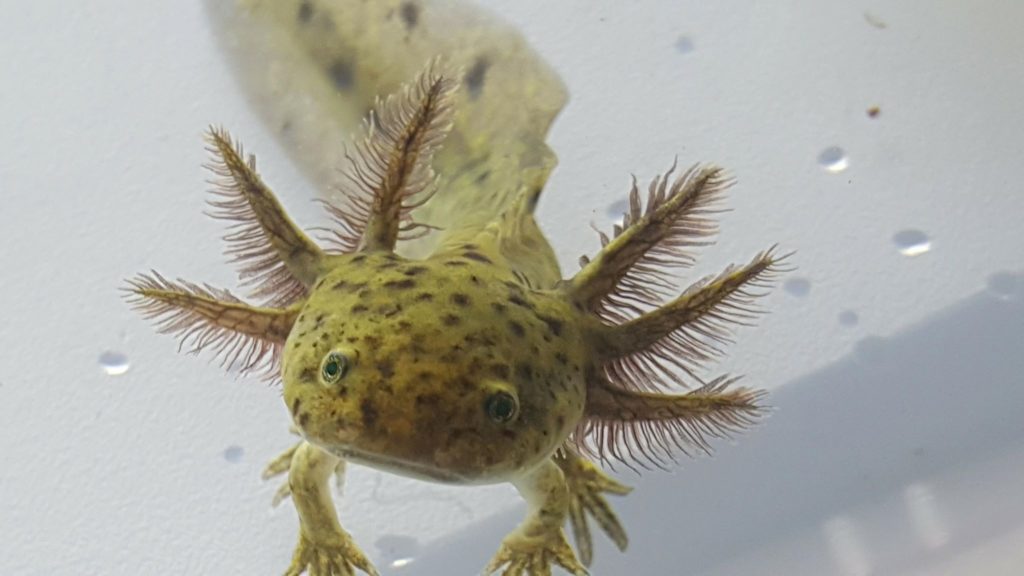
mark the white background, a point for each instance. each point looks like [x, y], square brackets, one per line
[897, 445]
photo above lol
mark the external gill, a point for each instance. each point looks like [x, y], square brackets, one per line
[390, 173]
[277, 261]
[645, 345]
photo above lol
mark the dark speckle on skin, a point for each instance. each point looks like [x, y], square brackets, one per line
[451, 320]
[478, 257]
[524, 370]
[554, 325]
[460, 299]
[455, 263]
[369, 412]
[519, 301]
[516, 328]
[386, 367]
[499, 307]
[303, 419]
[340, 285]
[410, 14]
[405, 284]
[424, 297]
[414, 270]
[295, 407]
[305, 13]
[475, 77]
[500, 370]
[342, 76]
[307, 375]
[428, 400]
[358, 309]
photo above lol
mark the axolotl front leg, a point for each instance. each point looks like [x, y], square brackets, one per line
[539, 541]
[324, 548]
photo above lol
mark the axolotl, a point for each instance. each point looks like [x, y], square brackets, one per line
[480, 362]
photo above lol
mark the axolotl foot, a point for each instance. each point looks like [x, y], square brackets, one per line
[523, 554]
[587, 486]
[335, 556]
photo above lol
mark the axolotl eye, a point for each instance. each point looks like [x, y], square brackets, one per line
[501, 407]
[335, 366]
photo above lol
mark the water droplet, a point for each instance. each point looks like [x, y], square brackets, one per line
[618, 208]
[911, 242]
[233, 453]
[114, 363]
[833, 159]
[848, 318]
[1004, 285]
[684, 45]
[798, 287]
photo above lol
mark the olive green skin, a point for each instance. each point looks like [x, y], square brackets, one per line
[429, 343]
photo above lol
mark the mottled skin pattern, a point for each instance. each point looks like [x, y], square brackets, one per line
[461, 355]
[432, 340]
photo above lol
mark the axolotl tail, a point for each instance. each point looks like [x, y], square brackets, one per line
[314, 68]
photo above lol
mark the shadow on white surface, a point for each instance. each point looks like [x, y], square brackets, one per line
[901, 457]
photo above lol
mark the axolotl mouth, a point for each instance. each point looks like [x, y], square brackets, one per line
[399, 466]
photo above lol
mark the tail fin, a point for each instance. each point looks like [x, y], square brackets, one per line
[313, 69]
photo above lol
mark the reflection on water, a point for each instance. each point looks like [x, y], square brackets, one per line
[912, 242]
[847, 546]
[833, 159]
[925, 517]
[114, 363]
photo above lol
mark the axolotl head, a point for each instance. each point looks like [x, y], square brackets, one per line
[443, 369]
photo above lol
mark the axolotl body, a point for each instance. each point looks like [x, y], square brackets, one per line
[479, 363]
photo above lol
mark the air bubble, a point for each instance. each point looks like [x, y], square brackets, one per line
[833, 159]
[912, 242]
[233, 453]
[798, 287]
[848, 318]
[114, 363]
